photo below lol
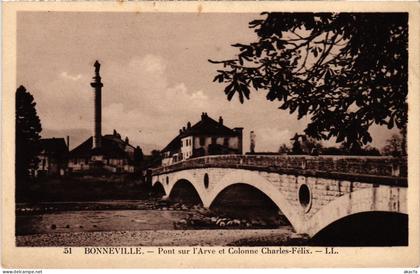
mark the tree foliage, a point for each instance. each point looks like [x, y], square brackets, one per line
[28, 129]
[311, 146]
[138, 155]
[284, 149]
[346, 71]
[395, 146]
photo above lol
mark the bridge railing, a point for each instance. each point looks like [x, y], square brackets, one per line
[345, 167]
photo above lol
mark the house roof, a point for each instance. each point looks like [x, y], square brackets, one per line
[205, 127]
[173, 145]
[53, 146]
[110, 147]
[117, 139]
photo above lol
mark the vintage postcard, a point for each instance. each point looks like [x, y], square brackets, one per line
[210, 134]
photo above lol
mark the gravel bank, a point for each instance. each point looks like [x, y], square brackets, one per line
[282, 236]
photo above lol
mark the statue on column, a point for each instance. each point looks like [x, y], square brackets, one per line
[97, 66]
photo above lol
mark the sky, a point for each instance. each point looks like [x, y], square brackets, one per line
[156, 76]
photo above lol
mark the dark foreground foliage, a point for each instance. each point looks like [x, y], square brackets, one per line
[346, 71]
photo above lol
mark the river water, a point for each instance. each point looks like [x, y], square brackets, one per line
[130, 215]
[98, 220]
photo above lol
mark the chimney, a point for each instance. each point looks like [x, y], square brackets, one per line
[68, 142]
[126, 140]
[97, 89]
[183, 129]
[221, 120]
[202, 116]
[188, 125]
[180, 131]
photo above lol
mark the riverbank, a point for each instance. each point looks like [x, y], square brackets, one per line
[57, 207]
[83, 188]
[115, 215]
[232, 237]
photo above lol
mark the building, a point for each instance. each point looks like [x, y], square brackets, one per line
[206, 137]
[114, 155]
[53, 157]
[102, 153]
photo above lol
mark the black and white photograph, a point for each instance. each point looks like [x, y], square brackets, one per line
[269, 129]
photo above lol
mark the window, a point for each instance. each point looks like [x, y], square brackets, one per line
[226, 141]
[202, 141]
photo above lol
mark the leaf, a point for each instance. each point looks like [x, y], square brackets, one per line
[241, 61]
[218, 78]
[340, 137]
[293, 107]
[327, 76]
[284, 106]
[255, 23]
[228, 89]
[241, 97]
[280, 44]
[391, 123]
[230, 95]
[245, 91]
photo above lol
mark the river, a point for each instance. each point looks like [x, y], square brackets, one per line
[98, 220]
[144, 222]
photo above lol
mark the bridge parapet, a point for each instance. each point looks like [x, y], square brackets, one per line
[380, 170]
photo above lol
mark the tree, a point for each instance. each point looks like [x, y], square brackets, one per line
[371, 151]
[138, 155]
[155, 158]
[346, 71]
[395, 146]
[332, 151]
[28, 129]
[311, 146]
[284, 149]
[296, 147]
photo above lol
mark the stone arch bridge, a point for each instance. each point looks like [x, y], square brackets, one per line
[311, 191]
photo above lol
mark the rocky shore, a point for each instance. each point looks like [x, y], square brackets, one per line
[198, 216]
[150, 222]
[231, 237]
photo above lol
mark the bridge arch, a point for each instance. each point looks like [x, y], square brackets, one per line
[373, 228]
[186, 175]
[376, 199]
[186, 192]
[158, 189]
[257, 181]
